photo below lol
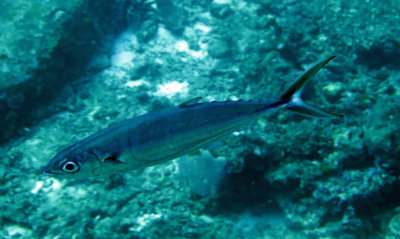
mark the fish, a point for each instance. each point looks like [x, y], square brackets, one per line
[160, 136]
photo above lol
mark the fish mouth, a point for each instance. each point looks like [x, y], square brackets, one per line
[47, 172]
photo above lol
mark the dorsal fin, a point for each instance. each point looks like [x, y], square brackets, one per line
[191, 102]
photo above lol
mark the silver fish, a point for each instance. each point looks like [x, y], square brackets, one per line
[161, 136]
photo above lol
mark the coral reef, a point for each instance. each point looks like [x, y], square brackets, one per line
[71, 68]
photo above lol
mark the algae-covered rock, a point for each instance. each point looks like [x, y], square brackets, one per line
[394, 227]
[202, 172]
[221, 8]
[218, 48]
[332, 91]
[29, 34]
[17, 231]
[46, 46]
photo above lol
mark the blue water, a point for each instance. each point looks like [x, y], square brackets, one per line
[69, 69]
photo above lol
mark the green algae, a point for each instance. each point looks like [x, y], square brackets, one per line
[394, 227]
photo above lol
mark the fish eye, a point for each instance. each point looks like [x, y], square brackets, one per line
[70, 167]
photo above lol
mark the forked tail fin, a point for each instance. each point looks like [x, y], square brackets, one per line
[293, 94]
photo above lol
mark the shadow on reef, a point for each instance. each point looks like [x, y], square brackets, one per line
[248, 189]
[361, 195]
[89, 30]
[384, 53]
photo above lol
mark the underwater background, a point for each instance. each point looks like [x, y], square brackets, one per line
[71, 68]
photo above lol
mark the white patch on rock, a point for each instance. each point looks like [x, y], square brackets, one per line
[136, 83]
[48, 185]
[172, 88]
[124, 49]
[182, 46]
[121, 58]
[143, 221]
[17, 231]
[222, 1]
[202, 27]
[38, 186]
